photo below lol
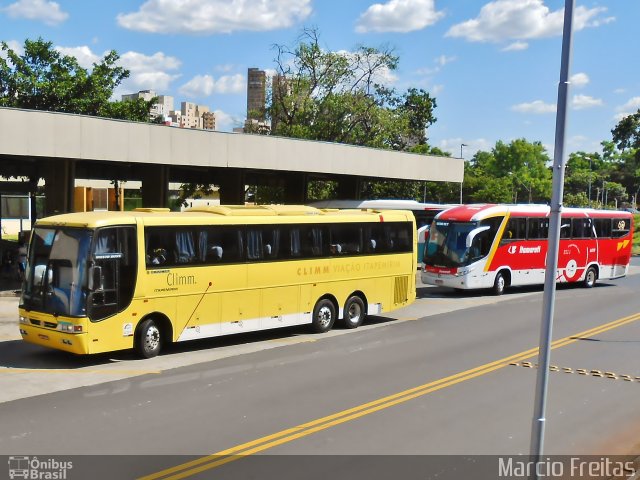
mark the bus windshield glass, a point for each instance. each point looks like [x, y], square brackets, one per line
[447, 244]
[458, 244]
[56, 273]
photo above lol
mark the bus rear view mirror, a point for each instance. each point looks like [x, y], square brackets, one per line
[473, 233]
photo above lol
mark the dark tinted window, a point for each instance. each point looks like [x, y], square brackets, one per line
[210, 245]
[538, 228]
[603, 227]
[581, 228]
[620, 227]
[516, 229]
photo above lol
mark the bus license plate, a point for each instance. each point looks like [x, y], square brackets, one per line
[439, 282]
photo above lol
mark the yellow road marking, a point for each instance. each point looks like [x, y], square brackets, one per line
[52, 370]
[285, 436]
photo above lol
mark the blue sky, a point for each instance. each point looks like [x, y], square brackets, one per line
[493, 66]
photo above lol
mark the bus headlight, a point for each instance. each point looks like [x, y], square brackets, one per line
[69, 328]
[24, 320]
[465, 270]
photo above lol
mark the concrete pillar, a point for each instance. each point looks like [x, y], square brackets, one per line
[295, 188]
[232, 185]
[349, 188]
[155, 186]
[59, 183]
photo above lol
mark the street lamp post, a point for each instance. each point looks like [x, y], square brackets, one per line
[462, 145]
[590, 180]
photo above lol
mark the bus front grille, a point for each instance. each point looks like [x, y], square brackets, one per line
[400, 290]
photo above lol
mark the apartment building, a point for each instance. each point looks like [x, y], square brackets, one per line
[162, 107]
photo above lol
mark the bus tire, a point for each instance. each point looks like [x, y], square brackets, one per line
[354, 312]
[590, 277]
[324, 316]
[499, 284]
[148, 339]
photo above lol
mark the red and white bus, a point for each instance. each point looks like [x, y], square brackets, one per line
[497, 246]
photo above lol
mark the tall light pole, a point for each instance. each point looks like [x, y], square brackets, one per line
[462, 145]
[590, 180]
[548, 300]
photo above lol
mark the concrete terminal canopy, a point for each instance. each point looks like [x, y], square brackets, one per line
[60, 147]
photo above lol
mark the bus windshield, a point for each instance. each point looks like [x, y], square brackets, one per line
[458, 244]
[56, 272]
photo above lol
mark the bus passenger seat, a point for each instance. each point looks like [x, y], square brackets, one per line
[215, 253]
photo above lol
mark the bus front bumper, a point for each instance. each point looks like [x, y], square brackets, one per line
[69, 342]
[455, 281]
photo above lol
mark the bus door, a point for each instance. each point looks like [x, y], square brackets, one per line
[575, 244]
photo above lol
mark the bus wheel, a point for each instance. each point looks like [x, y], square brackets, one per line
[590, 277]
[354, 312]
[324, 315]
[148, 339]
[499, 284]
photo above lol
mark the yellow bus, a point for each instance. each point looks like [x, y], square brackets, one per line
[104, 281]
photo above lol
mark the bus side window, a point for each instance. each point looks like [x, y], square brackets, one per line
[158, 244]
[565, 228]
[254, 245]
[516, 230]
[295, 248]
[620, 227]
[185, 250]
[603, 227]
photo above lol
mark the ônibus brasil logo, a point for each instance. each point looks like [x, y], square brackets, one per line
[514, 249]
[38, 469]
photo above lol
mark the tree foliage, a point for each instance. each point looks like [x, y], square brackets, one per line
[510, 173]
[343, 97]
[42, 78]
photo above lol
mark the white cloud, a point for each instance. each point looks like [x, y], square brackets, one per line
[382, 75]
[620, 91]
[39, 10]
[86, 58]
[206, 85]
[504, 20]
[629, 108]
[198, 86]
[537, 106]
[579, 79]
[452, 145]
[436, 89]
[398, 16]
[580, 102]
[230, 84]
[516, 47]
[17, 48]
[632, 104]
[149, 72]
[214, 16]
[225, 122]
[442, 60]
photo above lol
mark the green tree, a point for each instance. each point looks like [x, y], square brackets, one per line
[44, 79]
[514, 172]
[342, 97]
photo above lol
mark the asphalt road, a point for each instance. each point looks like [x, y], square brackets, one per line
[451, 383]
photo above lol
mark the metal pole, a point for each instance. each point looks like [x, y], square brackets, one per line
[590, 181]
[462, 145]
[546, 328]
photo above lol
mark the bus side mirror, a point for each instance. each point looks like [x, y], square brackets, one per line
[473, 233]
[95, 279]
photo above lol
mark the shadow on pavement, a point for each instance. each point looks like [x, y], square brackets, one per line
[446, 292]
[17, 354]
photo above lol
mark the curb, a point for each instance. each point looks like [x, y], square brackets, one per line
[9, 293]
